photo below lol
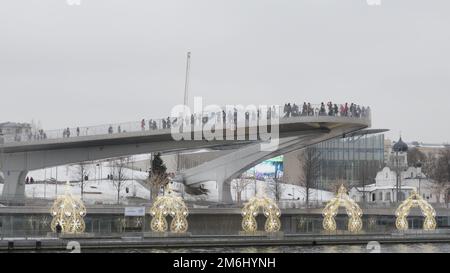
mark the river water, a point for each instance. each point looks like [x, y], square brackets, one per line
[383, 248]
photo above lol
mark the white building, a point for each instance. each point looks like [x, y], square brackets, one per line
[409, 178]
[385, 188]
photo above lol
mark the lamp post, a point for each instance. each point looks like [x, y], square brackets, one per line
[419, 174]
[396, 177]
[56, 185]
[254, 177]
[2, 142]
[45, 183]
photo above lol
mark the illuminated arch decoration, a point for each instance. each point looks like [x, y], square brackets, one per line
[353, 211]
[415, 200]
[68, 211]
[169, 204]
[270, 211]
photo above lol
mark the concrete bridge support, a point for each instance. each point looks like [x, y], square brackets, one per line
[14, 185]
[230, 166]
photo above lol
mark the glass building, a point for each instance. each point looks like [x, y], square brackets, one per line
[355, 159]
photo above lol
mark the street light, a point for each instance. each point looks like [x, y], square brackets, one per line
[2, 142]
[56, 182]
[419, 174]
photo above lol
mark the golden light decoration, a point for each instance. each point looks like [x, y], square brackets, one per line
[165, 205]
[68, 211]
[270, 210]
[415, 200]
[353, 211]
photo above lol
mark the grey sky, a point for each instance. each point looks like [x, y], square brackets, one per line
[120, 60]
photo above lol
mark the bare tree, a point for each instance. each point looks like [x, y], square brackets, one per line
[272, 187]
[445, 157]
[309, 160]
[239, 185]
[367, 171]
[415, 155]
[81, 174]
[119, 177]
[438, 169]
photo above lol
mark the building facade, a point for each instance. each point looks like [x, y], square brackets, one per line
[355, 160]
[384, 190]
[14, 130]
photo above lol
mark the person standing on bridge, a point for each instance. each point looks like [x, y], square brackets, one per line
[322, 109]
[288, 110]
[78, 131]
[294, 112]
[358, 111]
[143, 124]
[110, 129]
[304, 109]
[336, 110]
[68, 132]
[352, 109]
[363, 112]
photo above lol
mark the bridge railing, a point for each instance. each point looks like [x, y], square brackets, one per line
[282, 112]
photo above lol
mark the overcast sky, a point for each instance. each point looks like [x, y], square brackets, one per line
[122, 60]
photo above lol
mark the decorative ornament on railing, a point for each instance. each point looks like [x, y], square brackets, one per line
[68, 211]
[415, 200]
[270, 211]
[169, 205]
[353, 211]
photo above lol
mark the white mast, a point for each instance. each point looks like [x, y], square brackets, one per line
[186, 83]
[186, 94]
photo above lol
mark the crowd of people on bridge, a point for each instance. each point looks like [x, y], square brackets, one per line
[330, 109]
[38, 135]
[67, 133]
[228, 117]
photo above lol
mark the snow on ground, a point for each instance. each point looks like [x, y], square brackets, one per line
[287, 192]
[100, 192]
[72, 173]
[98, 189]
